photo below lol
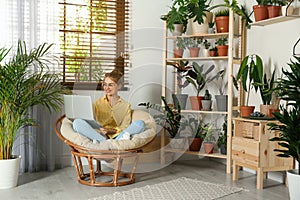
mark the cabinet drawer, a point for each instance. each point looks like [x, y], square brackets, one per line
[245, 150]
[247, 129]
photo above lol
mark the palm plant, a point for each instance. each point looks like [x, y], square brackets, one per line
[25, 81]
[288, 89]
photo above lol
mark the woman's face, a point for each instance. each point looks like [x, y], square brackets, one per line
[110, 87]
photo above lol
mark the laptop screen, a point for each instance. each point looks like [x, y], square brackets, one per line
[78, 106]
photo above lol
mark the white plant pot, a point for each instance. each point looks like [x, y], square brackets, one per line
[293, 184]
[290, 10]
[9, 172]
[205, 52]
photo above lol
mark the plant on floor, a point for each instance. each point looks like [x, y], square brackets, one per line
[168, 118]
[25, 81]
[288, 89]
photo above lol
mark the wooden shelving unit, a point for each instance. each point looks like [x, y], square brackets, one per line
[231, 61]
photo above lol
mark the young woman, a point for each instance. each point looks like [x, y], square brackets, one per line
[112, 112]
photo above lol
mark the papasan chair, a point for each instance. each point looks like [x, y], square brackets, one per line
[112, 151]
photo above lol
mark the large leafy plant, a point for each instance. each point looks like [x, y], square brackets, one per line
[198, 78]
[168, 118]
[289, 89]
[182, 68]
[250, 71]
[25, 81]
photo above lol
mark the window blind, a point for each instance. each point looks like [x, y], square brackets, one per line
[94, 37]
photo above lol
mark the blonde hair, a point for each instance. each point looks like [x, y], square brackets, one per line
[116, 76]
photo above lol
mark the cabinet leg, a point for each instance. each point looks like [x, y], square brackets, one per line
[259, 178]
[235, 172]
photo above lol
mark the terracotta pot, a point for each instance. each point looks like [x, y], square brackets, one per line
[246, 111]
[272, 110]
[194, 52]
[212, 53]
[195, 144]
[260, 12]
[222, 50]
[178, 53]
[222, 24]
[208, 147]
[196, 102]
[274, 11]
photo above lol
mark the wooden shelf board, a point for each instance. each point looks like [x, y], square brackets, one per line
[199, 58]
[204, 112]
[197, 153]
[208, 36]
[275, 20]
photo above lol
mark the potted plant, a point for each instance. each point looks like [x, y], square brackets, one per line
[221, 44]
[177, 17]
[179, 47]
[206, 45]
[20, 89]
[221, 98]
[289, 122]
[250, 71]
[222, 139]
[169, 118]
[196, 126]
[199, 79]
[209, 140]
[211, 29]
[222, 20]
[193, 44]
[260, 10]
[213, 51]
[274, 7]
[199, 15]
[206, 101]
[266, 88]
[182, 68]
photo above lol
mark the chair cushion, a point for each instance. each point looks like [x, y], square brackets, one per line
[136, 141]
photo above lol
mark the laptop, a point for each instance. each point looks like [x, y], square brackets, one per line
[80, 107]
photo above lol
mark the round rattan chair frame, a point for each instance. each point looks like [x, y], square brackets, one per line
[95, 155]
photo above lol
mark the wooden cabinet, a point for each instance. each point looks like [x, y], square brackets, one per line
[236, 52]
[252, 149]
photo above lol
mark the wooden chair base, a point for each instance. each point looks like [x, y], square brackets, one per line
[93, 175]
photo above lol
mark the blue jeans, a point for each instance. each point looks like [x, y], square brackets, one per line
[85, 129]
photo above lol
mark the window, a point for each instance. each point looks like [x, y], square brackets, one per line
[94, 37]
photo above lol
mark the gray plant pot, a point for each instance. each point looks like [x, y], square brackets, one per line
[181, 98]
[222, 102]
[206, 105]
